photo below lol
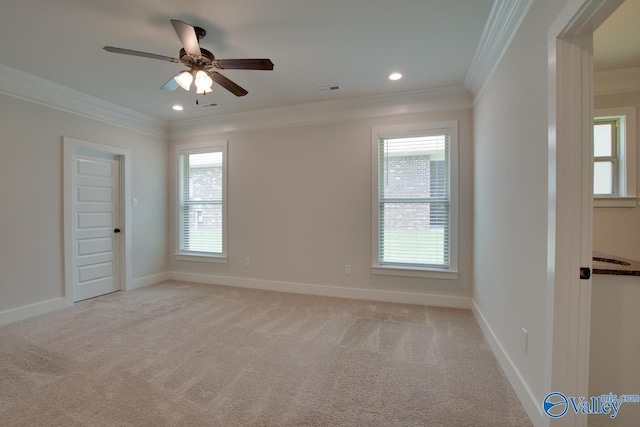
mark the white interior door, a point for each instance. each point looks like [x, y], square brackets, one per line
[95, 222]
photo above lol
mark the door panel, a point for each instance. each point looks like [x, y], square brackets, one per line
[94, 219]
[88, 167]
[96, 213]
[88, 194]
[94, 246]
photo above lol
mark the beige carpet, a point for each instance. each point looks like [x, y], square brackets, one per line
[179, 354]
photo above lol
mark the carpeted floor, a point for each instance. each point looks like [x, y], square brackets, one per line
[179, 354]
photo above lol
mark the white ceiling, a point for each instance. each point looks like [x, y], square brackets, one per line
[616, 43]
[354, 43]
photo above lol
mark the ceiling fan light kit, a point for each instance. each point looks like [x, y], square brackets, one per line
[203, 83]
[184, 79]
[200, 61]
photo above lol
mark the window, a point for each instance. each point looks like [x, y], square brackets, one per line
[605, 156]
[415, 200]
[202, 202]
[614, 152]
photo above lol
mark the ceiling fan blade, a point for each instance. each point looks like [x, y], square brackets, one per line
[228, 84]
[243, 64]
[187, 35]
[172, 84]
[142, 54]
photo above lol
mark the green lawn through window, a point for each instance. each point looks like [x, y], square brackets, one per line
[205, 240]
[401, 246]
[414, 246]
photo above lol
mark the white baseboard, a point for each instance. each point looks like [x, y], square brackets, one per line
[148, 280]
[31, 310]
[327, 291]
[520, 386]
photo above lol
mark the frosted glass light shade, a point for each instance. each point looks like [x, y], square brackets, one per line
[184, 79]
[203, 82]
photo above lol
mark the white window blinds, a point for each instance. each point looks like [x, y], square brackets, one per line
[201, 202]
[414, 201]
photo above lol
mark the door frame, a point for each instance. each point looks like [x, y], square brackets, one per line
[570, 178]
[73, 146]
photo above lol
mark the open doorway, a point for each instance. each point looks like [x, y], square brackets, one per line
[615, 343]
[570, 202]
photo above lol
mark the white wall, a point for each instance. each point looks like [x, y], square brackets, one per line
[510, 200]
[299, 206]
[31, 210]
[616, 230]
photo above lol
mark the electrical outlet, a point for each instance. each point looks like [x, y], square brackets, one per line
[347, 269]
[247, 262]
[134, 202]
[524, 338]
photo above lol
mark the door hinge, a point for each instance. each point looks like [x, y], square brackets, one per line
[585, 273]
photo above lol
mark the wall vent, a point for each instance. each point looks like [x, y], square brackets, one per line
[330, 88]
[213, 104]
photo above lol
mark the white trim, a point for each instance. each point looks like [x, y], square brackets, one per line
[581, 17]
[628, 150]
[34, 89]
[453, 98]
[570, 198]
[328, 291]
[19, 84]
[531, 405]
[31, 310]
[201, 258]
[449, 127]
[414, 272]
[141, 282]
[201, 147]
[622, 80]
[70, 146]
[572, 122]
[503, 23]
[615, 202]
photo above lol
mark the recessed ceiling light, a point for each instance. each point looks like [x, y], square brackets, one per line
[395, 76]
[178, 107]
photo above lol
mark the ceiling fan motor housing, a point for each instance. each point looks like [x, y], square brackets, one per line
[206, 58]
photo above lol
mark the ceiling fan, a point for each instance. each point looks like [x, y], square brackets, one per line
[200, 62]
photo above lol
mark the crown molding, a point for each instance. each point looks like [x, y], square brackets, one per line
[443, 99]
[19, 84]
[502, 25]
[616, 81]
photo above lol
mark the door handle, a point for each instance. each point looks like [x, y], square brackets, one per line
[585, 273]
[117, 230]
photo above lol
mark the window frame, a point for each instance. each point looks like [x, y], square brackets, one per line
[416, 129]
[197, 148]
[614, 159]
[625, 184]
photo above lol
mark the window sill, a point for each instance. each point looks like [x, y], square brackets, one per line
[201, 258]
[414, 272]
[614, 202]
